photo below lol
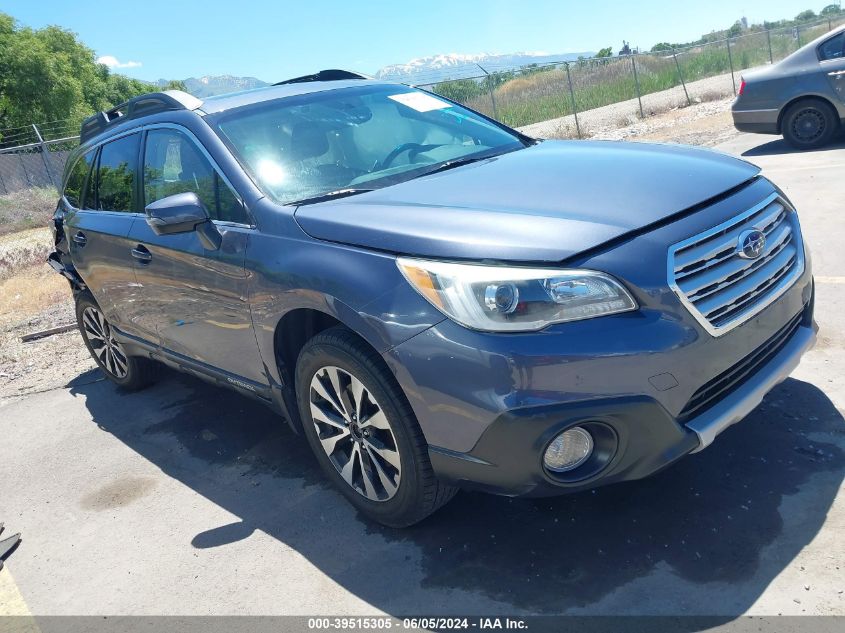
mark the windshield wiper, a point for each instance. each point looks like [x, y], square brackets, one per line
[331, 195]
[457, 162]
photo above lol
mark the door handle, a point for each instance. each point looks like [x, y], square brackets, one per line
[79, 239]
[141, 254]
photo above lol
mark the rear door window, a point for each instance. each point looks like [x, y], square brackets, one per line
[832, 48]
[116, 174]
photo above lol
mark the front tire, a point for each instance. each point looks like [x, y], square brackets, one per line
[363, 432]
[129, 372]
[809, 124]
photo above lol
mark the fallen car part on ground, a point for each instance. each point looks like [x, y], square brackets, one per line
[59, 329]
[8, 545]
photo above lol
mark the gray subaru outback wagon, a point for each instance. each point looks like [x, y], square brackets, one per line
[434, 300]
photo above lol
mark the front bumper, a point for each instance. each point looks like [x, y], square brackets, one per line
[489, 405]
[739, 403]
[507, 458]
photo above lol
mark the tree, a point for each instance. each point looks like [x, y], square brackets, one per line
[175, 84]
[831, 9]
[49, 75]
[660, 47]
[605, 52]
[735, 30]
[806, 16]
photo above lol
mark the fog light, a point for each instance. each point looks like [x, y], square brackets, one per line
[569, 450]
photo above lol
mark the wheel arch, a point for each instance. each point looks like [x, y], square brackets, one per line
[804, 97]
[299, 325]
[294, 330]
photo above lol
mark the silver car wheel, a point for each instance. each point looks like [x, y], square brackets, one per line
[108, 351]
[355, 433]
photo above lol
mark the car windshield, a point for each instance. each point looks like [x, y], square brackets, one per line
[339, 142]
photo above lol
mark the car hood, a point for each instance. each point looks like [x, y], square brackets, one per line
[543, 203]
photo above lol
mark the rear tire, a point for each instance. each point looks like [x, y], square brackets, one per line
[363, 432]
[129, 372]
[810, 123]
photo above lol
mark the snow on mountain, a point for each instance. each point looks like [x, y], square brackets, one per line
[422, 70]
[218, 84]
[456, 65]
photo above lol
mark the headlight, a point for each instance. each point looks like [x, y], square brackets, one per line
[509, 299]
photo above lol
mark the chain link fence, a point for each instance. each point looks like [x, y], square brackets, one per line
[34, 156]
[567, 94]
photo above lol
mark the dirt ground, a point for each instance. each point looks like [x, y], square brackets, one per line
[702, 99]
[705, 124]
[34, 298]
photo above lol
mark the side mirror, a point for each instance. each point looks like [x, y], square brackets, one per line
[182, 213]
[178, 213]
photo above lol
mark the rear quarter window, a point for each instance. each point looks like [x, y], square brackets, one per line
[832, 48]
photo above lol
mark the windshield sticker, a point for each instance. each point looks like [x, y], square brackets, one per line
[420, 101]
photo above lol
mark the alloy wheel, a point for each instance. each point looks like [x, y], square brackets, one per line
[355, 433]
[106, 348]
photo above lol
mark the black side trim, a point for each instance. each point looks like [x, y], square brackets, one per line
[136, 345]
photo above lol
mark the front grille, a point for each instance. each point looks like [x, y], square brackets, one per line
[723, 384]
[722, 289]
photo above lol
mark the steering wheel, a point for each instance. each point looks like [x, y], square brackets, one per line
[412, 148]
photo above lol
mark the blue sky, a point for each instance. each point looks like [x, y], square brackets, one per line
[275, 39]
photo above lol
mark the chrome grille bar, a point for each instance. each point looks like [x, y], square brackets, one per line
[723, 290]
[723, 243]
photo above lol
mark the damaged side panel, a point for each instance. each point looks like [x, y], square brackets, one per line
[77, 180]
[59, 259]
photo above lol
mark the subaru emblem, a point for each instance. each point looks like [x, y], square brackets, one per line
[751, 244]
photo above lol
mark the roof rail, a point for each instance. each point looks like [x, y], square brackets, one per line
[137, 107]
[332, 74]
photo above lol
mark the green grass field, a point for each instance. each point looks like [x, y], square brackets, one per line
[543, 94]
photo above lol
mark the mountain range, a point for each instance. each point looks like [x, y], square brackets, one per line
[456, 65]
[211, 85]
[430, 69]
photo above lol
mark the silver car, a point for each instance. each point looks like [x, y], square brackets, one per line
[801, 97]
